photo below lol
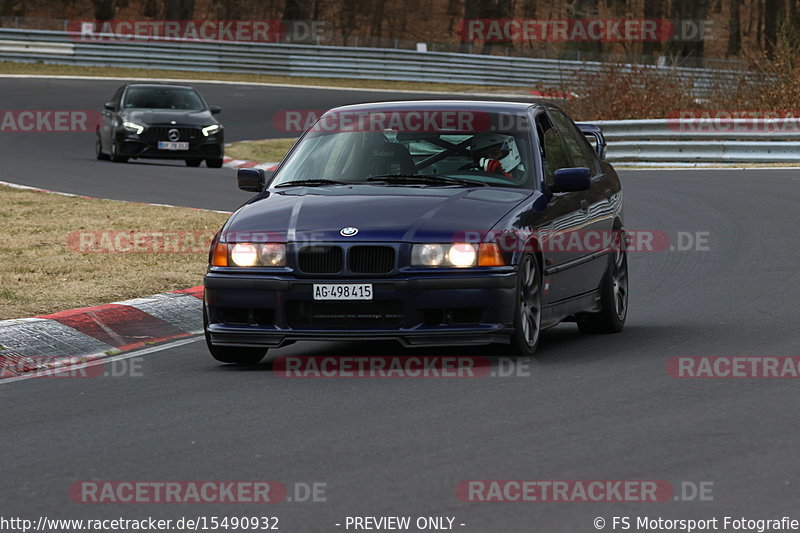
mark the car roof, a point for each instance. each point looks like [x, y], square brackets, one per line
[442, 105]
[159, 85]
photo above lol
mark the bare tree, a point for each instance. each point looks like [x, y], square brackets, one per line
[496, 9]
[793, 22]
[151, 9]
[529, 8]
[104, 9]
[297, 10]
[772, 14]
[619, 8]
[653, 10]
[294, 12]
[697, 12]
[179, 9]
[228, 9]
[584, 9]
[759, 25]
[472, 10]
[734, 29]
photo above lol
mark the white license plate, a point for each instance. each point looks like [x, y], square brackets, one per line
[343, 291]
[169, 145]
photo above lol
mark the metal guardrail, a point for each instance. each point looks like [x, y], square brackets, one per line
[698, 140]
[326, 61]
[666, 141]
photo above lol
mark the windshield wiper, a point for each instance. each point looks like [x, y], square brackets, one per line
[433, 179]
[310, 183]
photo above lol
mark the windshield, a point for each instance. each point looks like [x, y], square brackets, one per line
[163, 98]
[498, 158]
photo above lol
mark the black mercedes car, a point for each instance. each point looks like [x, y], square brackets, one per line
[431, 223]
[159, 121]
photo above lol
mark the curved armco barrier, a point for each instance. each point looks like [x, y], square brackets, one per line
[702, 139]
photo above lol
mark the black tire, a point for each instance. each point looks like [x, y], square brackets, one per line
[114, 157]
[528, 313]
[613, 294]
[232, 354]
[214, 163]
[98, 149]
[193, 162]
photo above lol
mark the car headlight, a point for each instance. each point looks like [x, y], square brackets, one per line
[244, 254]
[462, 255]
[211, 130]
[427, 255]
[133, 127]
[459, 255]
[273, 255]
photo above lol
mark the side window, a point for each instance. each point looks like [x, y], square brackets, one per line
[576, 143]
[554, 152]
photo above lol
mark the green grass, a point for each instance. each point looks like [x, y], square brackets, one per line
[43, 271]
[266, 151]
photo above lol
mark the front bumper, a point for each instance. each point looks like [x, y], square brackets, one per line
[135, 146]
[271, 311]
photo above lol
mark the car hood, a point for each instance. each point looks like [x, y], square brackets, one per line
[169, 117]
[380, 213]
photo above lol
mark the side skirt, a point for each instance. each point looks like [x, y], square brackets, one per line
[556, 312]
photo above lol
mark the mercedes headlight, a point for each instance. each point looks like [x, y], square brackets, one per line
[133, 127]
[211, 130]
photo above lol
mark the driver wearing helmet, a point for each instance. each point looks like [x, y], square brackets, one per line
[495, 153]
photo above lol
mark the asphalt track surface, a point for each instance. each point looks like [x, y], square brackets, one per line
[598, 407]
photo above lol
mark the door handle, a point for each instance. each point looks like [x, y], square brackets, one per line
[584, 206]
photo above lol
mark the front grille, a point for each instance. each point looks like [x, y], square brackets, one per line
[370, 259]
[161, 133]
[345, 315]
[320, 259]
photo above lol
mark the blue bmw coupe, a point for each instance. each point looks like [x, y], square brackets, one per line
[433, 223]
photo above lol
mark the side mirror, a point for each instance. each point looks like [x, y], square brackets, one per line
[252, 179]
[572, 179]
[215, 109]
[590, 130]
[110, 106]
